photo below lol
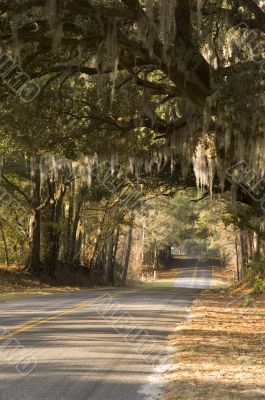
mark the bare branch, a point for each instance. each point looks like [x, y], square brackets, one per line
[17, 189]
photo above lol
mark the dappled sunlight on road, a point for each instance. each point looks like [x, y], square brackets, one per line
[86, 347]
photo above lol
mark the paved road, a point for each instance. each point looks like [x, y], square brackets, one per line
[95, 345]
[197, 277]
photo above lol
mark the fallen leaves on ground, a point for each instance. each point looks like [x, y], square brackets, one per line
[220, 353]
[15, 283]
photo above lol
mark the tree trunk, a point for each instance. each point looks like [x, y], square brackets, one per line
[155, 260]
[69, 222]
[244, 252]
[73, 236]
[33, 265]
[94, 256]
[127, 254]
[122, 254]
[114, 255]
[108, 276]
[256, 246]
[54, 233]
[5, 244]
[250, 237]
[78, 248]
[143, 241]
[237, 257]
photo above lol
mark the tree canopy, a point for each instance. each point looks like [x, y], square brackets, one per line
[151, 88]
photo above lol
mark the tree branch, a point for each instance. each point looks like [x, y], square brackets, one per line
[17, 189]
[201, 198]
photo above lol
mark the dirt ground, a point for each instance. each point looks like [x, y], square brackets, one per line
[220, 352]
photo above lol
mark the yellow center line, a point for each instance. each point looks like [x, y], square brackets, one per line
[28, 325]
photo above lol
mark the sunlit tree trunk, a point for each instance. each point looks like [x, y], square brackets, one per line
[113, 262]
[108, 270]
[73, 236]
[78, 248]
[250, 244]
[69, 212]
[34, 239]
[256, 246]
[127, 253]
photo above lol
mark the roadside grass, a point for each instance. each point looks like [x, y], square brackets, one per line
[220, 352]
[27, 293]
[148, 284]
[165, 279]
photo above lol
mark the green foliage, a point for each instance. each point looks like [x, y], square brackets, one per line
[259, 285]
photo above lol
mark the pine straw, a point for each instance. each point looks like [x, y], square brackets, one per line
[220, 353]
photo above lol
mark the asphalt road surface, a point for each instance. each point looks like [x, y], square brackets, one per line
[197, 277]
[99, 344]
